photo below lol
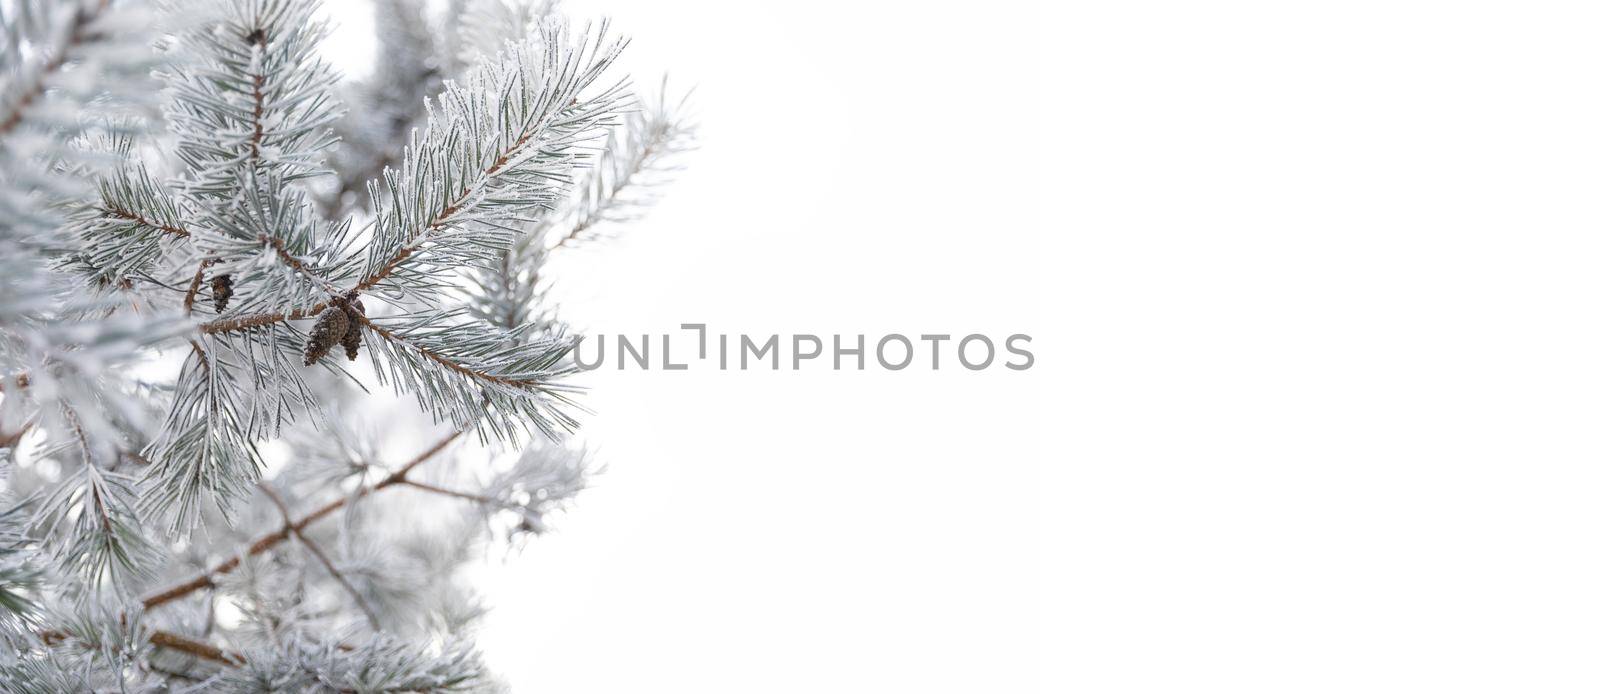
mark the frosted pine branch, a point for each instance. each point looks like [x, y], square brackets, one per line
[185, 501]
[499, 149]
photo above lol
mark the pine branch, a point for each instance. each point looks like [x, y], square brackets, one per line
[288, 521]
[167, 639]
[499, 147]
[78, 35]
[132, 225]
[265, 542]
[194, 288]
[468, 496]
[638, 160]
[241, 323]
[200, 649]
[506, 382]
[391, 102]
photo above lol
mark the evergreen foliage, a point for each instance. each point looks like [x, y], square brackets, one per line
[204, 233]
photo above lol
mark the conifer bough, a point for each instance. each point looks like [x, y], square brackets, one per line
[195, 211]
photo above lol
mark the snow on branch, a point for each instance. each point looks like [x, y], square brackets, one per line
[499, 150]
[465, 372]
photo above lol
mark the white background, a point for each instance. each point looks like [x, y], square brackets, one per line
[866, 169]
[1319, 364]
[1334, 366]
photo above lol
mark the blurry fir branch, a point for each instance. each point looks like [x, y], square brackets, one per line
[476, 28]
[46, 47]
[164, 639]
[542, 480]
[641, 157]
[21, 573]
[208, 578]
[292, 527]
[27, 86]
[322, 557]
[91, 521]
[379, 665]
[390, 103]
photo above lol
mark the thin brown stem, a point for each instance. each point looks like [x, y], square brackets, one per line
[327, 563]
[260, 319]
[201, 649]
[194, 287]
[208, 577]
[259, 38]
[469, 496]
[136, 218]
[167, 639]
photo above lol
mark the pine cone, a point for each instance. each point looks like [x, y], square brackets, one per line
[352, 334]
[330, 329]
[221, 291]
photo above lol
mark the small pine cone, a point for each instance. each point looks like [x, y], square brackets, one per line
[352, 334]
[330, 329]
[221, 291]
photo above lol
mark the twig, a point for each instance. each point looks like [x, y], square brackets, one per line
[268, 541]
[288, 520]
[469, 496]
[194, 287]
[259, 319]
[167, 639]
[137, 218]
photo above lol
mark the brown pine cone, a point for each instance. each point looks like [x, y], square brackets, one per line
[352, 334]
[329, 330]
[221, 291]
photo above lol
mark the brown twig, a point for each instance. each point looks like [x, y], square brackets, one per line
[137, 218]
[469, 496]
[259, 319]
[288, 520]
[208, 577]
[194, 287]
[167, 639]
[259, 38]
